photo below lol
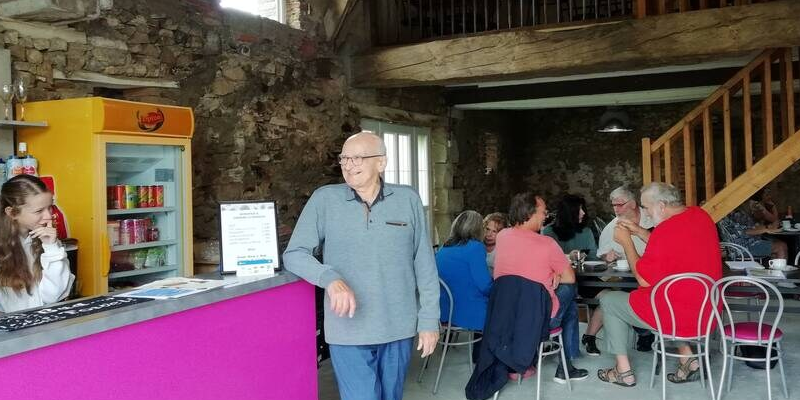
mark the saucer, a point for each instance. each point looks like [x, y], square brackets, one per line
[593, 263]
[621, 269]
[791, 229]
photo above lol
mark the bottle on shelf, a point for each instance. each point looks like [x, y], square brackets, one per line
[30, 165]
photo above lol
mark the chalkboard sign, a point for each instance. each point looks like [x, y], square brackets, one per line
[60, 312]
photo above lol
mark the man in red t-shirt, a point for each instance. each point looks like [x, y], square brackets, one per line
[684, 240]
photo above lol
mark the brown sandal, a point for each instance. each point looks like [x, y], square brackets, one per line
[618, 377]
[685, 373]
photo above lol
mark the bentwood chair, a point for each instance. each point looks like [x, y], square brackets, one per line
[553, 345]
[448, 337]
[735, 252]
[762, 333]
[700, 340]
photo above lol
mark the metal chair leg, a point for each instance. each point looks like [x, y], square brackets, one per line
[663, 374]
[539, 372]
[700, 365]
[423, 368]
[730, 370]
[783, 375]
[469, 355]
[445, 345]
[564, 361]
[655, 365]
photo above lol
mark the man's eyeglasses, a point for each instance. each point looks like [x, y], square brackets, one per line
[356, 160]
[618, 205]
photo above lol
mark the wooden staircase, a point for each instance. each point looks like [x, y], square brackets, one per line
[724, 122]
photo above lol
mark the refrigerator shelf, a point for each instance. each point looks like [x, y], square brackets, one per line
[144, 245]
[129, 164]
[143, 271]
[145, 210]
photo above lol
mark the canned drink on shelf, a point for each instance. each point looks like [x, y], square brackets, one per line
[144, 196]
[152, 234]
[113, 233]
[139, 230]
[131, 196]
[110, 197]
[159, 194]
[119, 197]
[126, 232]
[151, 196]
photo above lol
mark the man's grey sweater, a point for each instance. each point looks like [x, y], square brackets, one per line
[382, 252]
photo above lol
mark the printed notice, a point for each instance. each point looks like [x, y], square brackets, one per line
[249, 238]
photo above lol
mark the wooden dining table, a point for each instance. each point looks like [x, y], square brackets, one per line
[604, 276]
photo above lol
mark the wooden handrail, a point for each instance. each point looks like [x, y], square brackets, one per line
[657, 155]
[713, 98]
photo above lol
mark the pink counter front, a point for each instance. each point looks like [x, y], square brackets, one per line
[257, 345]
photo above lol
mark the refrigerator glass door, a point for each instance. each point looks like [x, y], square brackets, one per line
[145, 204]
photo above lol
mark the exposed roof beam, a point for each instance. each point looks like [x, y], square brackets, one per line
[672, 39]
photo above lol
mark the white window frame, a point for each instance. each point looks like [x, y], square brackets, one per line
[382, 128]
[281, 10]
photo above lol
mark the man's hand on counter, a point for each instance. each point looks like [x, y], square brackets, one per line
[343, 300]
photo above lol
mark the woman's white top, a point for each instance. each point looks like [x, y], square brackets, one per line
[54, 286]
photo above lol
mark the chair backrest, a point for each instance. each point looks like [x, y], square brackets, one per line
[449, 302]
[797, 259]
[669, 283]
[599, 225]
[766, 318]
[736, 252]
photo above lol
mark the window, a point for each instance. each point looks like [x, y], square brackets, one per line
[272, 9]
[407, 161]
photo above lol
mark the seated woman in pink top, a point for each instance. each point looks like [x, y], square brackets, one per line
[522, 251]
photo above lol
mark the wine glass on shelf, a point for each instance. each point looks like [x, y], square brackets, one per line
[21, 92]
[7, 95]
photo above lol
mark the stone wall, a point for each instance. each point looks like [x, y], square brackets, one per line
[272, 104]
[558, 151]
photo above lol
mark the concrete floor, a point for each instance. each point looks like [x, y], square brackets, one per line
[748, 384]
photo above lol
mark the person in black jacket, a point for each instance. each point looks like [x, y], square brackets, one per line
[518, 319]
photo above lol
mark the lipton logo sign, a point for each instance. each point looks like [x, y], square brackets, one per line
[151, 121]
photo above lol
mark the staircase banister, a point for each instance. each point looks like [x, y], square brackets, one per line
[713, 98]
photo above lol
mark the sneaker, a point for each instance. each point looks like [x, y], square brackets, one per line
[575, 374]
[590, 345]
[645, 342]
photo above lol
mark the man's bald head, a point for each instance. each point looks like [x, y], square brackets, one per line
[369, 140]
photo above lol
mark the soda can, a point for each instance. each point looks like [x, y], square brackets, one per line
[119, 197]
[151, 192]
[139, 231]
[159, 194]
[131, 196]
[126, 232]
[113, 232]
[144, 196]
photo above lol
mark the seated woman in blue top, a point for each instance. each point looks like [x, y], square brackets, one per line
[569, 228]
[462, 266]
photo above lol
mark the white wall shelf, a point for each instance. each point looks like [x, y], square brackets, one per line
[143, 210]
[143, 271]
[143, 245]
[23, 124]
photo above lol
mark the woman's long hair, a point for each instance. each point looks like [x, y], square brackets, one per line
[467, 225]
[567, 224]
[15, 271]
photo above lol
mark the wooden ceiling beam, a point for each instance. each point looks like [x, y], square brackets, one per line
[685, 38]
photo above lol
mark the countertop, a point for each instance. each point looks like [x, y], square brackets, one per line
[45, 335]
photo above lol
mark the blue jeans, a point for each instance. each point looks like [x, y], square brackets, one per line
[567, 319]
[371, 372]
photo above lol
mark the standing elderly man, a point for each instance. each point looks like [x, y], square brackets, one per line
[376, 257]
[626, 208]
[666, 254]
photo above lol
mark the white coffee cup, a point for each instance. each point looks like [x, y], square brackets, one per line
[623, 265]
[797, 225]
[777, 263]
[786, 224]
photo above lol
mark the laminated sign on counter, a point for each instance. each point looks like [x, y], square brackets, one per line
[248, 238]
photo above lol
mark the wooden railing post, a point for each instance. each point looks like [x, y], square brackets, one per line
[726, 126]
[708, 154]
[689, 166]
[748, 122]
[647, 168]
[766, 106]
[787, 94]
[641, 8]
[668, 162]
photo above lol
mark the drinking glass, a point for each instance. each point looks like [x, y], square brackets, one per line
[7, 95]
[21, 92]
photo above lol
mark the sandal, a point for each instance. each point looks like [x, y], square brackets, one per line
[685, 373]
[618, 378]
